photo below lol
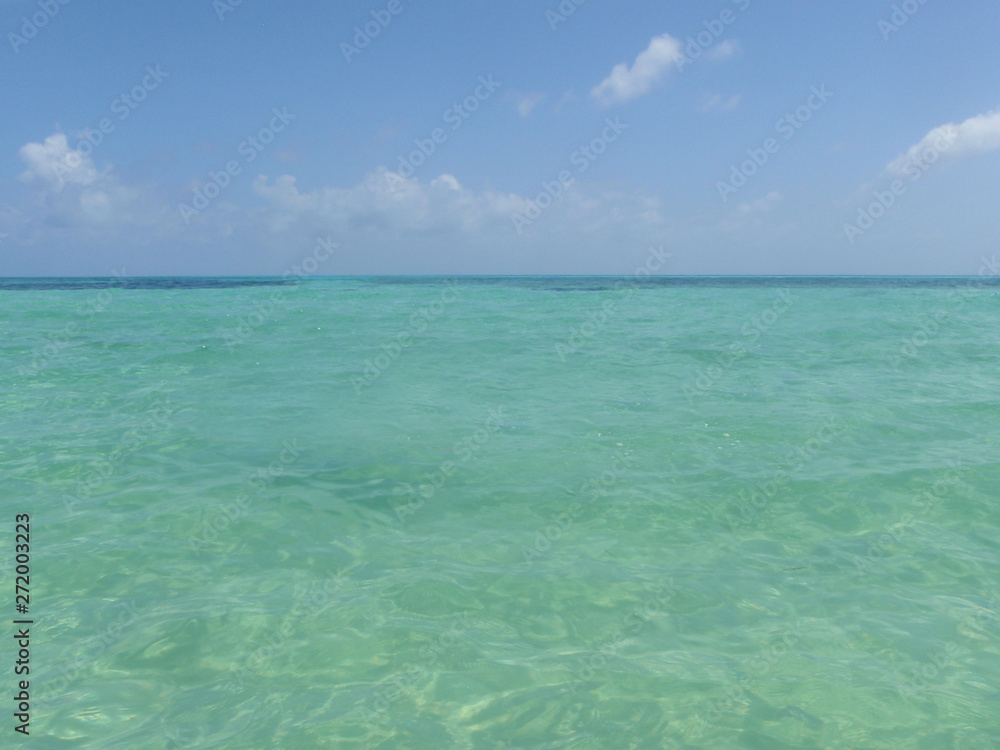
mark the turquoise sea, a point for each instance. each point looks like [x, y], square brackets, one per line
[491, 514]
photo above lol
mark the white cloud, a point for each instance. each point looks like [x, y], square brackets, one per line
[724, 50]
[404, 225]
[649, 68]
[54, 165]
[385, 223]
[383, 201]
[754, 216]
[387, 202]
[525, 103]
[716, 103]
[762, 205]
[71, 192]
[974, 136]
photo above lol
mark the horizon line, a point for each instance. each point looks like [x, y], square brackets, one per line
[508, 276]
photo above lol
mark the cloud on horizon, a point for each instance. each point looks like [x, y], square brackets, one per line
[67, 202]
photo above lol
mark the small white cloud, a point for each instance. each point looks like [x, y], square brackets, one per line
[73, 193]
[974, 136]
[649, 68]
[54, 164]
[717, 103]
[446, 180]
[724, 50]
[290, 155]
[762, 205]
[752, 215]
[524, 103]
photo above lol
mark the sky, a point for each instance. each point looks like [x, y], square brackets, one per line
[437, 137]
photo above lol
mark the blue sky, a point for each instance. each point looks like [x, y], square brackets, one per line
[580, 140]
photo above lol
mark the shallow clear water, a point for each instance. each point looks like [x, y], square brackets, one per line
[506, 513]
